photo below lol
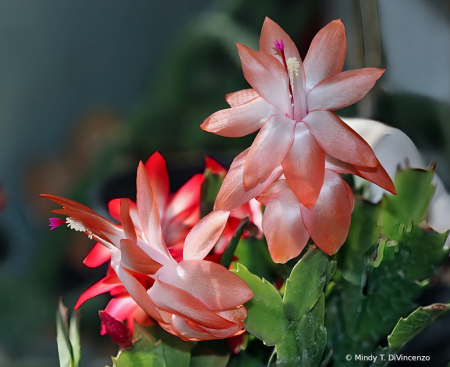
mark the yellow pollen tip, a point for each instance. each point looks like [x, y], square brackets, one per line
[293, 66]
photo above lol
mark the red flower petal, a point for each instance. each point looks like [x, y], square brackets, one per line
[159, 177]
[97, 256]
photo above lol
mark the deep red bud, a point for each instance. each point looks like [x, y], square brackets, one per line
[118, 331]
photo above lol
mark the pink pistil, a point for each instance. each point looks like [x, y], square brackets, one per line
[279, 45]
[55, 223]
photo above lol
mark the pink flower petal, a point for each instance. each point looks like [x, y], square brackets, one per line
[283, 227]
[377, 175]
[232, 193]
[241, 120]
[138, 292]
[272, 190]
[135, 259]
[343, 89]
[337, 139]
[127, 223]
[179, 302]
[211, 283]
[329, 221]
[202, 238]
[121, 308]
[326, 55]
[240, 97]
[304, 167]
[187, 332]
[267, 76]
[159, 177]
[148, 210]
[270, 32]
[97, 256]
[269, 149]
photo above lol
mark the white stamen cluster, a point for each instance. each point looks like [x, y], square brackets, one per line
[78, 226]
[293, 66]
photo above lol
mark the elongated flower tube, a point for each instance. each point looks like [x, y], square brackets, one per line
[193, 299]
[291, 103]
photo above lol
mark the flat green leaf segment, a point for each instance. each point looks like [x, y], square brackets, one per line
[68, 337]
[155, 347]
[227, 256]
[265, 318]
[382, 268]
[304, 304]
[419, 320]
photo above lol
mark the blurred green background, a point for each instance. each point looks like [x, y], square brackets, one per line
[89, 88]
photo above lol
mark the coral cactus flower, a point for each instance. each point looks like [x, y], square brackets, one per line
[327, 223]
[193, 299]
[291, 103]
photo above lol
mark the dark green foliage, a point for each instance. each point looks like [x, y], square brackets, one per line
[382, 268]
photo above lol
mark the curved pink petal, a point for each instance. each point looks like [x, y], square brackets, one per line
[267, 76]
[104, 285]
[272, 190]
[329, 221]
[202, 238]
[283, 227]
[97, 256]
[179, 302]
[211, 283]
[304, 167]
[148, 210]
[240, 97]
[157, 172]
[138, 292]
[377, 175]
[187, 331]
[271, 32]
[326, 54]
[241, 120]
[340, 141]
[125, 218]
[225, 333]
[135, 259]
[343, 89]
[269, 149]
[121, 308]
[232, 193]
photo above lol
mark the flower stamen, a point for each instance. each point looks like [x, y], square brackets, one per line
[78, 226]
[293, 66]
